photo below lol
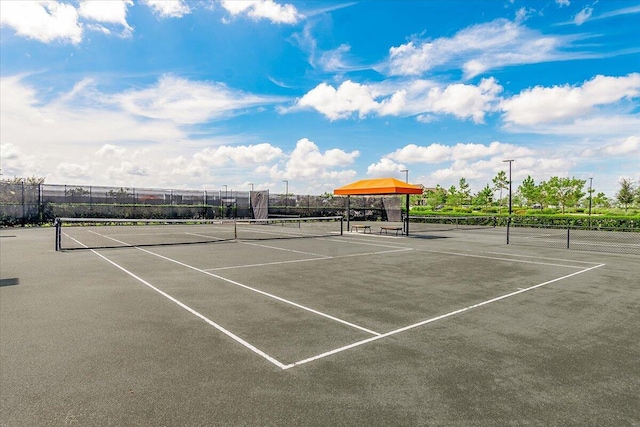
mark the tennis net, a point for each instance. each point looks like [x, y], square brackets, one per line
[97, 233]
[419, 224]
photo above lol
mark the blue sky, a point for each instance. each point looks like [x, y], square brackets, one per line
[203, 94]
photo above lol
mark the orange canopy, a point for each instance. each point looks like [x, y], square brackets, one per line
[378, 186]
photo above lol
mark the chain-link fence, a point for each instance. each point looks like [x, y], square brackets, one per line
[20, 204]
[23, 204]
[601, 239]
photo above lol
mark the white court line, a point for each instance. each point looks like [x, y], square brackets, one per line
[191, 310]
[358, 242]
[521, 261]
[539, 257]
[216, 238]
[282, 249]
[233, 282]
[434, 319]
[324, 258]
[197, 314]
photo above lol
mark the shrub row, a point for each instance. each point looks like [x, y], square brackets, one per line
[599, 221]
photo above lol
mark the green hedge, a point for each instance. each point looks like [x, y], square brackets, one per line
[597, 221]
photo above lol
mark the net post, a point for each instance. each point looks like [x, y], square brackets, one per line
[508, 228]
[57, 225]
[235, 229]
[341, 225]
[568, 230]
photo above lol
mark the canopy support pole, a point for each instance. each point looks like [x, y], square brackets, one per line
[348, 211]
[407, 216]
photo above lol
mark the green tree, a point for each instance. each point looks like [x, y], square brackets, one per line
[500, 182]
[531, 192]
[453, 196]
[77, 194]
[120, 196]
[626, 194]
[484, 197]
[32, 180]
[565, 192]
[436, 197]
[601, 200]
[464, 192]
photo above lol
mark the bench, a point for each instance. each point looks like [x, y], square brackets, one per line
[364, 228]
[386, 229]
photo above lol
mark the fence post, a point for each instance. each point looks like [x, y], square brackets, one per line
[568, 232]
[40, 206]
[23, 207]
[508, 228]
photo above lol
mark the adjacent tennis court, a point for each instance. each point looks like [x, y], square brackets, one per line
[307, 324]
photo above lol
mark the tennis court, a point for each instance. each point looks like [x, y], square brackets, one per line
[286, 326]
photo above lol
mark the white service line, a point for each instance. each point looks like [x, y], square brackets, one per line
[189, 309]
[233, 282]
[539, 257]
[197, 314]
[434, 319]
[324, 258]
[282, 249]
[521, 261]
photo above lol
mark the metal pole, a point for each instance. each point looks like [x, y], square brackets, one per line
[348, 213]
[406, 220]
[286, 194]
[590, 198]
[510, 203]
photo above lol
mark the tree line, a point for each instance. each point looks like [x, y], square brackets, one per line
[558, 192]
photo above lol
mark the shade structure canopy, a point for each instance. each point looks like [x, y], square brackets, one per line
[378, 186]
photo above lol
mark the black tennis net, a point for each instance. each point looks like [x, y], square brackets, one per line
[97, 233]
[427, 224]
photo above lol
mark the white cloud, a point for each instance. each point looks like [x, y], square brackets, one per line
[477, 49]
[74, 170]
[45, 21]
[238, 155]
[407, 98]
[332, 60]
[169, 9]
[481, 172]
[125, 170]
[340, 103]
[562, 3]
[559, 103]
[110, 151]
[263, 9]
[108, 12]
[384, 167]
[438, 153]
[14, 161]
[629, 146]
[307, 162]
[583, 16]
[188, 102]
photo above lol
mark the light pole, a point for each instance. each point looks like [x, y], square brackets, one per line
[590, 198]
[406, 221]
[223, 200]
[286, 193]
[510, 161]
[251, 184]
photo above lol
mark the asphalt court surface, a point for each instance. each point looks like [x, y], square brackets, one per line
[351, 321]
[328, 293]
